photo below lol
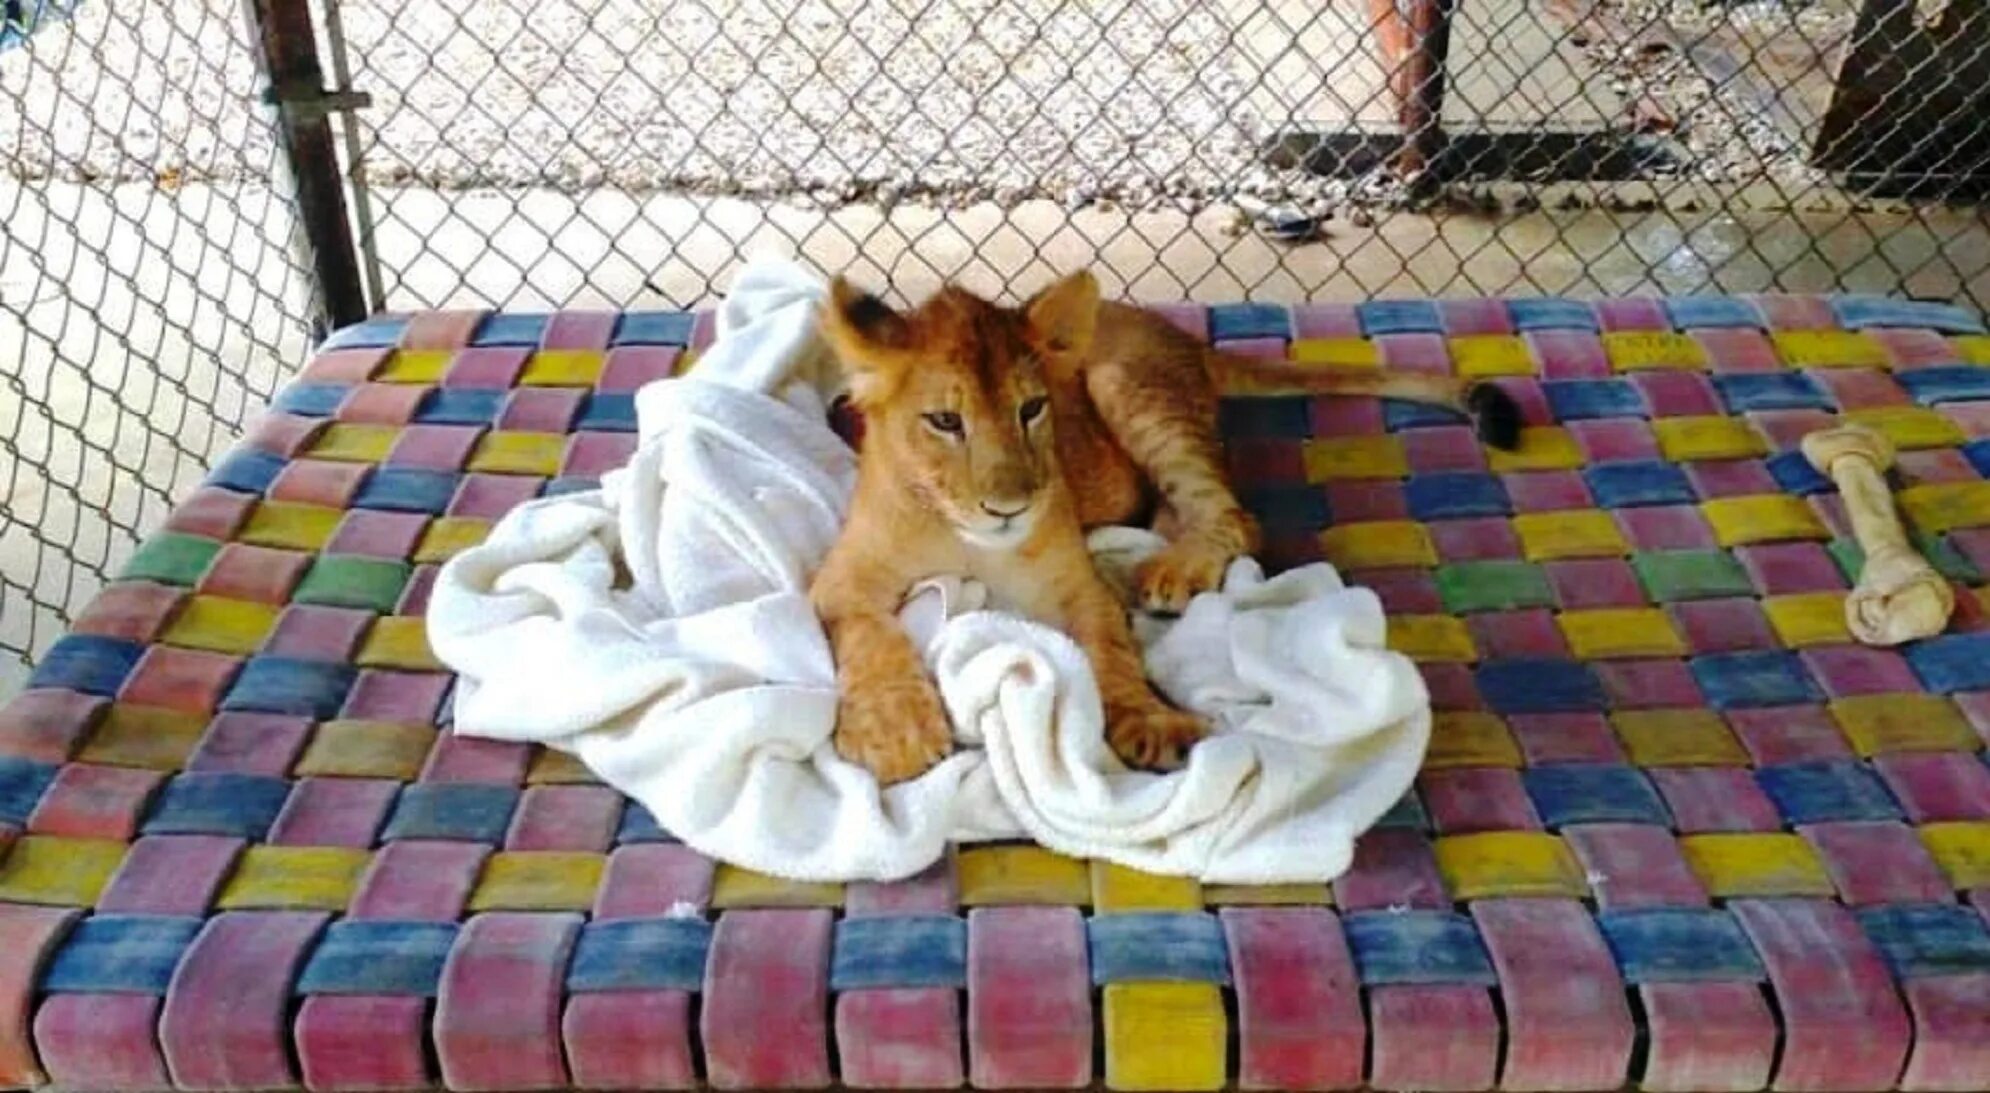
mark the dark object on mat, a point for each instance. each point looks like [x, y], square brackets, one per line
[1495, 416]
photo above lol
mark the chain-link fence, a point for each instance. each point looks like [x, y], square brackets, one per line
[626, 152]
[148, 297]
[604, 151]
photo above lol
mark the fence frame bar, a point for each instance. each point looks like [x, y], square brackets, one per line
[286, 47]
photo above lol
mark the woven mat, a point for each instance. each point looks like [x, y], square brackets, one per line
[1674, 828]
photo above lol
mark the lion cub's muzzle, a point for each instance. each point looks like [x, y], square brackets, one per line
[1003, 520]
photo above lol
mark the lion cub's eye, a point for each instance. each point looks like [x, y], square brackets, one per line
[1031, 409]
[945, 421]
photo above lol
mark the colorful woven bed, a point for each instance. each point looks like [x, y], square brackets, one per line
[1674, 829]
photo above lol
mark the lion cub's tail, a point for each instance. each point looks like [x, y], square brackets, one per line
[1495, 415]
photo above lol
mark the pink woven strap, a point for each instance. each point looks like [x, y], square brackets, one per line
[370, 1042]
[1566, 1021]
[419, 880]
[1437, 1037]
[768, 970]
[101, 1041]
[1843, 1025]
[901, 1037]
[31, 934]
[441, 329]
[1029, 1000]
[630, 1040]
[226, 1020]
[1951, 1033]
[1707, 1036]
[1298, 1002]
[497, 1014]
[579, 330]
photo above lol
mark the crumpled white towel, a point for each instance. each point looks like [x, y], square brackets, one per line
[659, 629]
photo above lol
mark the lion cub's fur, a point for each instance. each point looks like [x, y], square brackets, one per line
[993, 439]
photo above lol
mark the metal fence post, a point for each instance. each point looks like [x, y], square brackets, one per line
[286, 47]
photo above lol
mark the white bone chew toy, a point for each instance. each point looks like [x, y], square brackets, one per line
[1899, 596]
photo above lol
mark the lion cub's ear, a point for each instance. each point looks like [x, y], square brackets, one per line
[1064, 315]
[872, 341]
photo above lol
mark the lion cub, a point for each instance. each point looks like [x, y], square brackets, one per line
[993, 438]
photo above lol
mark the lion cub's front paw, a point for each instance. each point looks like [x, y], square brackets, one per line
[1152, 737]
[896, 731]
[1179, 573]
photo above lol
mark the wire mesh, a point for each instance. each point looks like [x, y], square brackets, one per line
[148, 294]
[614, 151]
[627, 153]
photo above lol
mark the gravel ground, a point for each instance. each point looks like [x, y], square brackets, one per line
[980, 100]
[157, 89]
[1724, 131]
[1145, 103]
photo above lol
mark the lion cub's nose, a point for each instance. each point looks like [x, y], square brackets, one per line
[1006, 508]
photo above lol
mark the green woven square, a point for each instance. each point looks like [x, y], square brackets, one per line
[1673, 575]
[340, 580]
[1493, 586]
[1940, 552]
[1851, 560]
[1947, 560]
[171, 558]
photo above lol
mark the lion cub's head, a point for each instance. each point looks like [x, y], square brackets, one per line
[955, 396]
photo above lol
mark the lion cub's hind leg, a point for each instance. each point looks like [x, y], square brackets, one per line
[1169, 428]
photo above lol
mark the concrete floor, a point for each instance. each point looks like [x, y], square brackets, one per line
[152, 326]
[138, 332]
[545, 248]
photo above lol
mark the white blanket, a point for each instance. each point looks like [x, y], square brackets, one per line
[659, 629]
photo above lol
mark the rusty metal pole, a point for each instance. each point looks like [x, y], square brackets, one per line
[286, 47]
[1419, 86]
